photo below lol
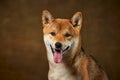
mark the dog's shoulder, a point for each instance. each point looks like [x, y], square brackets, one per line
[89, 67]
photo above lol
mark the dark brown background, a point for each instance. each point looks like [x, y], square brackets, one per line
[22, 51]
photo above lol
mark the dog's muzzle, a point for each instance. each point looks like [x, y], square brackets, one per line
[58, 49]
[58, 53]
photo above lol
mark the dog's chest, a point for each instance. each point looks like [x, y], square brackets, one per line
[62, 73]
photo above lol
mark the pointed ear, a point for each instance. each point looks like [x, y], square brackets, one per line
[46, 17]
[77, 19]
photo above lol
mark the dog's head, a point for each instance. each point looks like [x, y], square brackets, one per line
[61, 36]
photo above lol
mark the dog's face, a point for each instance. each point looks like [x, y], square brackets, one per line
[60, 35]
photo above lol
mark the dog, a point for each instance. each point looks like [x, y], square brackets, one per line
[67, 59]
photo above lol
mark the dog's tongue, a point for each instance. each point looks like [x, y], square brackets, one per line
[57, 57]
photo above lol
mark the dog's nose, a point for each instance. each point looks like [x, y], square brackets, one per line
[58, 45]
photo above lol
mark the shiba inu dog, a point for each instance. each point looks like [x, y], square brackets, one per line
[67, 59]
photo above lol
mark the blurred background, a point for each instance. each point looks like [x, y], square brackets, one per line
[22, 51]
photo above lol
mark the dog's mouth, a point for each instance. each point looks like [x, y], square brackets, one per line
[58, 53]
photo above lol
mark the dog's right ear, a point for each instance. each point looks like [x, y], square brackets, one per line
[46, 17]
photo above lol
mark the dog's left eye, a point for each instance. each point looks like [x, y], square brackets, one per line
[67, 35]
[52, 33]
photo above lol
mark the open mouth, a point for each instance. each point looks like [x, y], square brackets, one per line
[58, 54]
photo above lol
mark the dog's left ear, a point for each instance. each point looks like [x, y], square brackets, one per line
[77, 19]
[47, 18]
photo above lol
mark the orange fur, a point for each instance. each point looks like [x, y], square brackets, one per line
[75, 64]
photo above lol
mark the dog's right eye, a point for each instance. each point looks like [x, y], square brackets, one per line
[52, 33]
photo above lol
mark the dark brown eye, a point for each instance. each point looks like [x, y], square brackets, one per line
[67, 35]
[52, 33]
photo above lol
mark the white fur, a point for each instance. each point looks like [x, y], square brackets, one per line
[56, 71]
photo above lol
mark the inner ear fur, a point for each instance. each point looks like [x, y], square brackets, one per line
[47, 18]
[77, 19]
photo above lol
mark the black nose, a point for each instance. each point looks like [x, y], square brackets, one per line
[58, 45]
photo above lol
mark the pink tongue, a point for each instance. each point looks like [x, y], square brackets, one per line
[57, 57]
